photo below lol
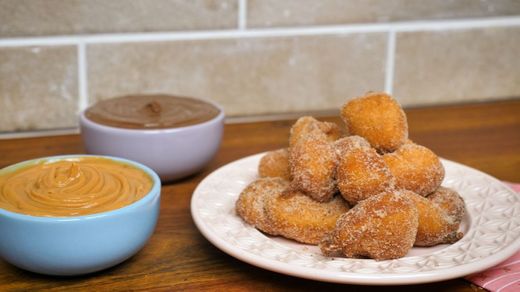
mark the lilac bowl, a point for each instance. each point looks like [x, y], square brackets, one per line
[173, 153]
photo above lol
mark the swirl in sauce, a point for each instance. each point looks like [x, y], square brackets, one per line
[151, 112]
[72, 187]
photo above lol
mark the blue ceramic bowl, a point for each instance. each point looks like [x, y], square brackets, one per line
[79, 244]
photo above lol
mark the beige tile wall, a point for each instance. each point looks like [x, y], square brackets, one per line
[271, 13]
[468, 64]
[68, 17]
[38, 88]
[246, 76]
[255, 57]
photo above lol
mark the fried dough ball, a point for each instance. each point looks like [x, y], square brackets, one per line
[301, 128]
[312, 162]
[362, 173]
[296, 216]
[275, 164]
[331, 130]
[346, 144]
[381, 227]
[378, 118]
[435, 225]
[306, 125]
[251, 202]
[415, 168]
[450, 202]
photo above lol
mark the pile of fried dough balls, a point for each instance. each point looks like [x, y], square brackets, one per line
[372, 193]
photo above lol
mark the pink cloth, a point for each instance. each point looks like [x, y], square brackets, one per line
[515, 187]
[505, 277]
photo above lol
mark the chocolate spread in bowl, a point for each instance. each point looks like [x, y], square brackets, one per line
[151, 112]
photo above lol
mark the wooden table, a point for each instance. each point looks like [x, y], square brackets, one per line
[484, 136]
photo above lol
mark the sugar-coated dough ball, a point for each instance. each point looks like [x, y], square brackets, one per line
[251, 202]
[313, 165]
[378, 118]
[450, 202]
[435, 225]
[415, 168]
[362, 173]
[275, 164]
[296, 216]
[346, 144]
[308, 126]
[381, 227]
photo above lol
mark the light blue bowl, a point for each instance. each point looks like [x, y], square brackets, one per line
[80, 244]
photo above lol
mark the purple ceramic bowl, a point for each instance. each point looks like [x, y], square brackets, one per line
[173, 153]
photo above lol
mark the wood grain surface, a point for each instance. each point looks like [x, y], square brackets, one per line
[485, 136]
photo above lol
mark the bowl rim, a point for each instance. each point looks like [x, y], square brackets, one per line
[84, 121]
[154, 192]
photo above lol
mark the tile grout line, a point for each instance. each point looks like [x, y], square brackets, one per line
[270, 32]
[390, 62]
[242, 14]
[82, 77]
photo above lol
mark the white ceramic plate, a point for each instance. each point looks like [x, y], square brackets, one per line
[491, 228]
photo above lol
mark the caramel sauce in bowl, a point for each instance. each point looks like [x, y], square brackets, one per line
[76, 214]
[72, 187]
[175, 136]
